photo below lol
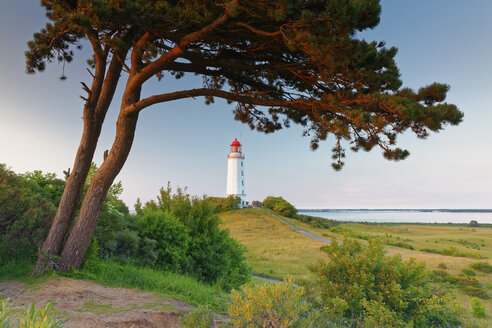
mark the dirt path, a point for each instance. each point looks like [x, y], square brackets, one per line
[89, 304]
[305, 233]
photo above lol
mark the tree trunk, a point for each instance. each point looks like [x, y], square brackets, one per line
[83, 231]
[71, 196]
[95, 109]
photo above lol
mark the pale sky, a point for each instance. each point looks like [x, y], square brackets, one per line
[187, 142]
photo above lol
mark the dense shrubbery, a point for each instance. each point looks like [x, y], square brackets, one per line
[223, 204]
[27, 205]
[478, 310]
[361, 284]
[280, 206]
[357, 287]
[317, 222]
[177, 232]
[482, 266]
[190, 239]
[272, 305]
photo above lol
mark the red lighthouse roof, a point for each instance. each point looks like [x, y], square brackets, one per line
[235, 143]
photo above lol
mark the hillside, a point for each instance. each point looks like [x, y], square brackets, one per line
[273, 248]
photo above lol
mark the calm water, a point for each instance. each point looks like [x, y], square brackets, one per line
[427, 216]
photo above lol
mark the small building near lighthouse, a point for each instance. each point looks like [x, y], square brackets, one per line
[235, 172]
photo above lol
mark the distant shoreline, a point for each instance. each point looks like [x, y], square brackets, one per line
[443, 210]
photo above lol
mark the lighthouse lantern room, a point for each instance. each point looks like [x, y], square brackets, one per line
[235, 172]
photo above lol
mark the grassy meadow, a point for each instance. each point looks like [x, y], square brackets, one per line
[273, 248]
[276, 250]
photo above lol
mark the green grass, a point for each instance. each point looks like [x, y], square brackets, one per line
[15, 269]
[274, 250]
[155, 281]
[113, 274]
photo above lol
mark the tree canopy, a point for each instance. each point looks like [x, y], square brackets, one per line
[279, 61]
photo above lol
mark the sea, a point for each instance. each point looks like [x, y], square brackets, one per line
[482, 216]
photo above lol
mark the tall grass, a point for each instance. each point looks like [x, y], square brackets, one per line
[15, 268]
[113, 274]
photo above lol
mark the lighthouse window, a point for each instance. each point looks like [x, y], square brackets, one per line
[242, 182]
[242, 173]
[241, 163]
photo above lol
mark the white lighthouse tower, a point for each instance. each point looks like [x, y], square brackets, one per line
[235, 172]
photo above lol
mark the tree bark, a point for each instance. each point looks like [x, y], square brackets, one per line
[71, 196]
[85, 226]
[95, 109]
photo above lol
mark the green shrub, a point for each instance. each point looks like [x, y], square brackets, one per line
[210, 254]
[360, 282]
[467, 281]
[27, 206]
[482, 267]
[171, 238]
[476, 291]
[118, 233]
[440, 273]
[450, 279]
[468, 272]
[269, 305]
[317, 222]
[442, 266]
[200, 318]
[280, 206]
[478, 310]
[223, 204]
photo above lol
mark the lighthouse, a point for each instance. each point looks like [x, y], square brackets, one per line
[235, 172]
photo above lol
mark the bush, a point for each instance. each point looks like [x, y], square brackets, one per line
[200, 318]
[223, 204]
[442, 266]
[482, 267]
[269, 305]
[476, 291]
[171, 238]
[467, 281]
[27, 206]
[468, 272]
[189, 238]
[317, 222]
[280, 206]
[361, 282]
[478, 310]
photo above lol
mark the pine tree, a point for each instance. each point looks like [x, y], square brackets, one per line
[280, 62]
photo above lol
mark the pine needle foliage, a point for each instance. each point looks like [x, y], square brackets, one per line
[279, 61]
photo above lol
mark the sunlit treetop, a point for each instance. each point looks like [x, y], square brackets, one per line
[279, 61]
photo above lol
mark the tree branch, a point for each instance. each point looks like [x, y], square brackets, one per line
[136, 57]
[202, 92]
[159, 64]
[257, 31]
